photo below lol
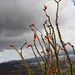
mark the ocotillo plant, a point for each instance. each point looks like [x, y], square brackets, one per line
[49, 48]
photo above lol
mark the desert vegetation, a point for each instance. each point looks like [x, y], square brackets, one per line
[49, 48]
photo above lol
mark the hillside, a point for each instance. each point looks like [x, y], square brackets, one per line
[17, 68]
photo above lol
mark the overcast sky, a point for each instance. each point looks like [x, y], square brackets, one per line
[16, 15]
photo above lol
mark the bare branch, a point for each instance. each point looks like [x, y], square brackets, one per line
[23, 46]
[57, 1]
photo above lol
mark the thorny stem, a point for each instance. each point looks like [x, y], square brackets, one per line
[56, 53]
[47, 35]
[23, 46]
[24, 61]
[45, 46]
[26, 64]
[52, 45]
[40, 44]
[38, 51]
[65, 64]
[71, 67]
[38, 60]
[72, 47]
[41, 47]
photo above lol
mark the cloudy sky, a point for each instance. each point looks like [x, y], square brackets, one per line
[16, 15]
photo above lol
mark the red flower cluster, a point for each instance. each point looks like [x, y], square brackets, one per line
[48, 60]
[45, 7]
[65, 44]
[42, 51]
[49, 25]
[46, 37]
[51, 70]
[25, 65]
[47, 49]
[35, 36]
[11, 45]
[31, 25]
[29, 45]
[61, 48]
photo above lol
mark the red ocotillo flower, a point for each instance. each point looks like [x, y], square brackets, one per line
[47, 49]
[31, 25]
[35, 36]
[65, 44]
[49, 25]
[46, 37]
[29, 45]
[42, 51]
[61, 48]
[51, 70]
[48, 60]
[11, 45]
[45, 7]
[25, 65]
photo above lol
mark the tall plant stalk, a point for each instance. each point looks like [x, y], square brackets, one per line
[50, 48]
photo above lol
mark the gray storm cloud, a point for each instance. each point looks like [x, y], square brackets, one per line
[16, 15]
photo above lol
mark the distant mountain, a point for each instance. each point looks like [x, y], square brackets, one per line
[69, 52]
[31, 60]
[10, 63]
[16, 67]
